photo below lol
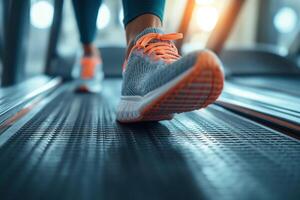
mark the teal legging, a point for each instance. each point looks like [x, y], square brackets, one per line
[86, 12]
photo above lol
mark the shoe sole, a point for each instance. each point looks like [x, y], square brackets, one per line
[196, 88]
[90, 85]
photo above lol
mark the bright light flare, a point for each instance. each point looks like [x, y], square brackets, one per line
[103, 17]
[207, 17]
[41, 14]
[285, 20]
[204, 1]
[121, 16]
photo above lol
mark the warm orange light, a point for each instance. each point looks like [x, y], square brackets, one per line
[207, 17]
[199, 2]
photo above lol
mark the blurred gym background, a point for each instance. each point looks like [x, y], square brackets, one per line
[271, 22]
[56, 143]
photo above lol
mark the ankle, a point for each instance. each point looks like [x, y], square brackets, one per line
[128, 49]
[137, 26]
[90, 50]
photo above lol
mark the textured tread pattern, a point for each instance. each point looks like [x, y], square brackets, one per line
[74, 149]
[201, 87]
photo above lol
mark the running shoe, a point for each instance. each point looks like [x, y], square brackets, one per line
[158, 82]
[91, 75]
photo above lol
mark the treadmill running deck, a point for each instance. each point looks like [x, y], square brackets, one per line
[73, 148]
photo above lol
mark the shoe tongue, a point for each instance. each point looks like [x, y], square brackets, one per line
[146, 31]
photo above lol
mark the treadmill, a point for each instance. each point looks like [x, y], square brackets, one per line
[59, 144]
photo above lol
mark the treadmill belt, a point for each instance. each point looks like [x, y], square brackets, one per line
[74, 149]
[282, 84]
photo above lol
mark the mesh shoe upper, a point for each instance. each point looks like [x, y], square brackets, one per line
[144, 74]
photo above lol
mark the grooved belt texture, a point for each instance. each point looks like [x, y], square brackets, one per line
[74, 149]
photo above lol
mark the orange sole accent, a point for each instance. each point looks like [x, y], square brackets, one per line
[199, 88]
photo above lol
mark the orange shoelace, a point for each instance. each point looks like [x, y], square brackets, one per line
[162, 49]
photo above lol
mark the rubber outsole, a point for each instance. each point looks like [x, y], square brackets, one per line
[90, 85]
[201, 86]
